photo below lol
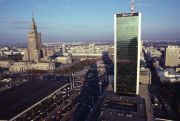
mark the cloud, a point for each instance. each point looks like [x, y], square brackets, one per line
[20, 22]
[13, 20]
[6, 18]
[14, 27]
[13, 23]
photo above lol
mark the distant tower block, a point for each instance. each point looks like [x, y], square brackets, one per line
[93, 47]
[64, 48]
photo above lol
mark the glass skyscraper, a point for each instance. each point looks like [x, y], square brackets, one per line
[127, 37]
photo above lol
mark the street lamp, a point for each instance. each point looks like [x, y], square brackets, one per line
[71, 83]
[100, 84]
[63, 99]
[73, 80]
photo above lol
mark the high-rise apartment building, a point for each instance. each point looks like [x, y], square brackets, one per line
[34, 43]
[64, 48]
[127, 37]
[172, 56]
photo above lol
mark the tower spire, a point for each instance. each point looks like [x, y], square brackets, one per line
[132, 6]
[32, 15]
[33, 26]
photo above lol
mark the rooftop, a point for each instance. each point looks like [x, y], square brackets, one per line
[122, 108]
[17, 99]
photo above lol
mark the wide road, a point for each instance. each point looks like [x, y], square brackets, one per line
[17, 99]
[144, 93]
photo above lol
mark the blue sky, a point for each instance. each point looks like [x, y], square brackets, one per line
[79, 20]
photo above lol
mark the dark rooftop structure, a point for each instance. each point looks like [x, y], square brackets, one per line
[18, 99]
[122, 108]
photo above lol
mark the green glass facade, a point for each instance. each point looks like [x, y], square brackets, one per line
[127, 38]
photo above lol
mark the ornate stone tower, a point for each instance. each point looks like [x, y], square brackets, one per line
[34, 43]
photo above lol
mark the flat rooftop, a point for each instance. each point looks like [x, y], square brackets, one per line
[17, 99]
[122, 105]
[123, 108]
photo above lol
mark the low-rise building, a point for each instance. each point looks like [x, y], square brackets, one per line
[145, 76]
[64, 60]
[50, 52]
[153, 52]
[42, 66]
[168, 75]
[4, 64]
[18, 66]
[24, 66]
[122, 108]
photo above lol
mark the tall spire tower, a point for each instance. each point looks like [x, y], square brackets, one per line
[132, 6]
[34, 42]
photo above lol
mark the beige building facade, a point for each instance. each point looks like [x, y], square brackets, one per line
[4, 64]
[145, 76]
[24, 66]
[172, 56]
[64, 60]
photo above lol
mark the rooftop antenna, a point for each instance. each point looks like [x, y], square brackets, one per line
[132, 6]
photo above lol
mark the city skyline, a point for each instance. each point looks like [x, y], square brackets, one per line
[69, 20]
[78, 73]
